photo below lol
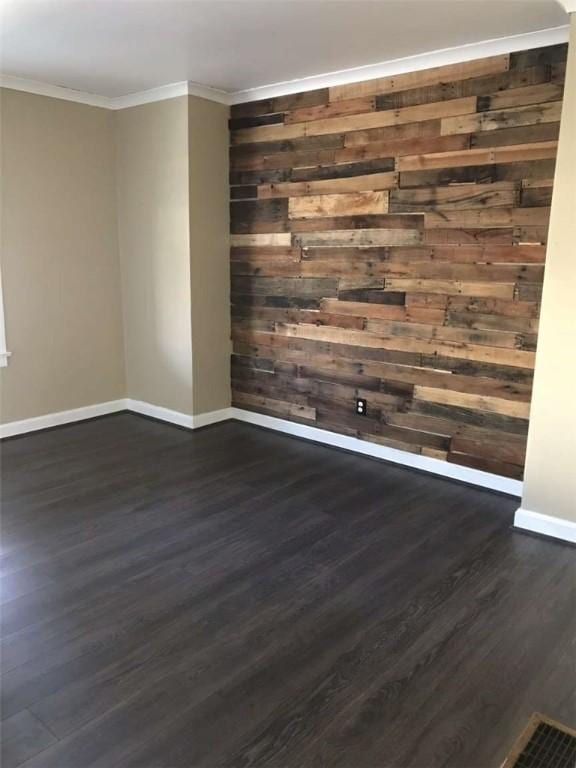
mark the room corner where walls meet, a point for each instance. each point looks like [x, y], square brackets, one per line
[101, 255]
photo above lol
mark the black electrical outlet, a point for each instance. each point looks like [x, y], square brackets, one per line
[361, 406]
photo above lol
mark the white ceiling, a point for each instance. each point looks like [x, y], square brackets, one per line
[117, 47]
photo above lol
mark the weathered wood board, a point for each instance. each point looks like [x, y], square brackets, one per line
[388, 242]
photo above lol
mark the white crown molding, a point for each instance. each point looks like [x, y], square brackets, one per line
[546, 525]
[53, 91]
[421, 61]
[169, 92]
[427, 60]
[568, 5]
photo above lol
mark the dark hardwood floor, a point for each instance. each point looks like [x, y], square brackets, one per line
[234, 597]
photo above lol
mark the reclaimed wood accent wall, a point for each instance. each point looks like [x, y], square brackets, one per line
[388, 242]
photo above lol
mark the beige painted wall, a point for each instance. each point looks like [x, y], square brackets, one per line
[209, 253]
[114, 255]
[550, 473]
[153, 232]
[59, 256]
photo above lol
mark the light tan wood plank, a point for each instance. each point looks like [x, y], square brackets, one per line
[514, 358]
[541, 150]
[370, 182]
[511, 118]
[487, 217]
[270, 238]
[357, 203]
[419, 113]
[475, 402]
[452, 287]
[334, 109]
[358, 237]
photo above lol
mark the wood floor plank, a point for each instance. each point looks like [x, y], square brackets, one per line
[235, 597]
[23, 736]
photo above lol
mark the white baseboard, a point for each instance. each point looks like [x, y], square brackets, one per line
[428, 464]
[547, 525]
[161, 413]
[13, 428]
[175, 417]
[212, 417]
[23, 426]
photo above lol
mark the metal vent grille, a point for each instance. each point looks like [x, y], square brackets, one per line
[544, 744]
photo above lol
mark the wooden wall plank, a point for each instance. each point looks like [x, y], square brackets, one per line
[467, 196]
[343, 169]
[525, 134]
[364, 221]
[503, 118]
[517, 97]
[252, 216]
[332, 109]
[422, 78]
[476, 402]
[479, 174]
[486, 217]
[273, 238]
[542, 150]
[364, 121]
[374, 181]
[407, 344]
[358, 237]
[315, 206]
[485, 87]
[449, 287]
[384, 311]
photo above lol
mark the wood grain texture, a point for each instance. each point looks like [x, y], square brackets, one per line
[398, 223]
[236, 597]
[317, 206]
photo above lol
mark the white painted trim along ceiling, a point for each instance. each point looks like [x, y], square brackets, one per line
[120, 53]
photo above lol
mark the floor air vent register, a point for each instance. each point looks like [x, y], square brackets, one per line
[544, 743]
